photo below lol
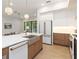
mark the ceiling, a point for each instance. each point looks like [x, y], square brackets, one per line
[31, 8]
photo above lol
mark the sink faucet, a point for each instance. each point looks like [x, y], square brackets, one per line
[25, 32]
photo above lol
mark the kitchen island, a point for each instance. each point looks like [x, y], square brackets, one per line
[16, 45]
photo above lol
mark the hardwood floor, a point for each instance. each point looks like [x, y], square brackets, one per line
[54, 52]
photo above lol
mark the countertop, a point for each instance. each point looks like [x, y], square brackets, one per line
[65, 30]
[10, 40]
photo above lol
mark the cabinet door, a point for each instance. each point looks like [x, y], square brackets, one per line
[67, 41]
[62, 39]
[35, 48]
[5, 53]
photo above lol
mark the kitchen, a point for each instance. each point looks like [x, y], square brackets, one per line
[36, 31]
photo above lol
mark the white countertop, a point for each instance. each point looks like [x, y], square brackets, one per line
[13, 39]
[65, 30]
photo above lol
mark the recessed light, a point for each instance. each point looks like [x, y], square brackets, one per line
[11, 4]
[42, 4]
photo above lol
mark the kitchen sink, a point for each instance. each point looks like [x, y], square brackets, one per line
[32, 38]
[29, 36]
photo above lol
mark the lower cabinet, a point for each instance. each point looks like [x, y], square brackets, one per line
[5, 53]
[61, 39]
[35, 48]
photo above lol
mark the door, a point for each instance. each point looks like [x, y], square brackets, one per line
[19, 51]
[75, 48]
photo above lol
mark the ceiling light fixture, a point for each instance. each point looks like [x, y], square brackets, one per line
[8, 9]
[26, 16]
[42, 4]
[11, 4]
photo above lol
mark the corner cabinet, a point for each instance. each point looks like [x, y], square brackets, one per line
[61, 39]
[35, 48]
[5, 53]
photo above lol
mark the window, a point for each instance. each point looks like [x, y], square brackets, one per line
[32, 26]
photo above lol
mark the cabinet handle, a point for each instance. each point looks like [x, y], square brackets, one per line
[17, 47]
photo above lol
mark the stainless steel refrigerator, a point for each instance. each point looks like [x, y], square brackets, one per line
[45, 27]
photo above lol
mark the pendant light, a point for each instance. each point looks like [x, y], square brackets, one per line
[26, 16]
[8, 9]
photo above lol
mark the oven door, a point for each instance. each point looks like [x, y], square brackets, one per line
[75, 48]
[72, 46]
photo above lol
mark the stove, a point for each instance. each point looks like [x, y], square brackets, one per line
[73, 45]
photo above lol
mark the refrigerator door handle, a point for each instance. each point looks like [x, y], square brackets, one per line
[44, 28]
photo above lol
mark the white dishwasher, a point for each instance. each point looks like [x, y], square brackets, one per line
[19, 51]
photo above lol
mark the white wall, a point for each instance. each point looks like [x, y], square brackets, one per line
[44, 17]
[54, 6]
[64, 17]
[16, 25]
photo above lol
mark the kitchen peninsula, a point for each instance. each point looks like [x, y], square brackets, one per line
[21, 46]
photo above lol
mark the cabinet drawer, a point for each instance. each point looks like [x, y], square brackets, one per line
[5, 51]
[61, 38]
[58, 36]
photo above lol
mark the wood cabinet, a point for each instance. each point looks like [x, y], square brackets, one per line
[61, 39]
[5, 53]
[35, 48]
